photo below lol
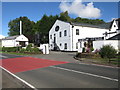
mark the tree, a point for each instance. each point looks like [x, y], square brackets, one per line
[107, 51]
[27, 28]
[88, 21]
[43, 26]
[65, 17]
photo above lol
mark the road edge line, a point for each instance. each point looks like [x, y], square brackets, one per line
[23, 81]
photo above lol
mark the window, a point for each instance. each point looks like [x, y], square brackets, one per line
[57, 28]
[65, 33]
[76, 45]
[51, 45]
[65, 46]
[60, 44]
[77, 31]
[114, 25]
[50, 36]
[60, 34]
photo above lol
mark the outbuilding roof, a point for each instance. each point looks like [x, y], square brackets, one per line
[11, 37]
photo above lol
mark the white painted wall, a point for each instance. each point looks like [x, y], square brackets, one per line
[8, 43]
[15, 42]
[63, 39]
[99, 44]
[22, 38]
[44, 48]
[85, 32]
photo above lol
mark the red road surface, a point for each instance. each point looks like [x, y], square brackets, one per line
[21, 64]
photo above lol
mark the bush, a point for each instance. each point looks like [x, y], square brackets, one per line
[83, 50]
[91, 49]
[107, 51]
[10, 49]
[22, 50]
[28, 48]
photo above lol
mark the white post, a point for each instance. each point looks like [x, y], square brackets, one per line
[20, 27]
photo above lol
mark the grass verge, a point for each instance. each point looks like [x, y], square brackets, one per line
[16, 53]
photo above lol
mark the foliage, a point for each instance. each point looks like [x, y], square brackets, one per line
[27, 26]
[28, 48]
[31, 49]
[107, 51]
[88, 21]
[91, 49]
[43, 26]
[64, 17]
[10, 49]
[83, 50]
[22, 50]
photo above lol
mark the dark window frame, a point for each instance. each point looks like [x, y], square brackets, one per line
[77, 32]
[65, 46]
[65, 32]
[60, 34]
[50, 36]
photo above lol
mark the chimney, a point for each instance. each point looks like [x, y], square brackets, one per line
[20, 27]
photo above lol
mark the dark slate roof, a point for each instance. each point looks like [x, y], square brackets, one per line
[102, 26]
[10, 38]
[116, 37]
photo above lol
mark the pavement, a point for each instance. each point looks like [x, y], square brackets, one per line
[60, 70]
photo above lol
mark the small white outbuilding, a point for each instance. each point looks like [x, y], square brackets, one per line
[15, 41]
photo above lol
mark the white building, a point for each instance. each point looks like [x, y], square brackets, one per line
[66, 36]
[15, 41]
[112, 36]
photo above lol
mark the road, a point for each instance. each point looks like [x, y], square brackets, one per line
[44, 73]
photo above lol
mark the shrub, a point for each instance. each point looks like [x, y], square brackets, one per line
[91, 49]
[83, 50]
[22, 50]
[28, 48]
[107, 51]
[10, 49]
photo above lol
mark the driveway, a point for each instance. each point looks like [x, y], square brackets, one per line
[59, 56]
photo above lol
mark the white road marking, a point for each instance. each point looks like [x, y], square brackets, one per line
[3, 56]
[99, 65]
[86, 73]
[31, 86]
